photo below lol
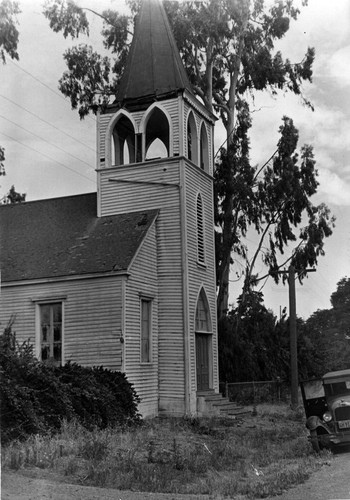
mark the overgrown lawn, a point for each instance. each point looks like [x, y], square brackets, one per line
[252, 457]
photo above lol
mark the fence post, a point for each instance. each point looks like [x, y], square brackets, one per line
[279, 389]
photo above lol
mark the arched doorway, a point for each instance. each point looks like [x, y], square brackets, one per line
[123, 142]
[157, 135]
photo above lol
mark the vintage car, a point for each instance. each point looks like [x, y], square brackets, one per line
[327, 408]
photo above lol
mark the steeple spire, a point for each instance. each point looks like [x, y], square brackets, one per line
[154, 67]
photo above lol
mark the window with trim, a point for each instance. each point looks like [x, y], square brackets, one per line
[203, 323]
[200, 230]
[146, 330]
[51, 333]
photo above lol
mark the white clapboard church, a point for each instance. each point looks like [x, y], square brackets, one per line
[125, 277]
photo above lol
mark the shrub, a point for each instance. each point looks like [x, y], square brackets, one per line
[36, 397]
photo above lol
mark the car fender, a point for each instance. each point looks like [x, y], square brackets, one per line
[314, 422]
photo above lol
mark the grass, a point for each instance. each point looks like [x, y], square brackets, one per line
[255, 457]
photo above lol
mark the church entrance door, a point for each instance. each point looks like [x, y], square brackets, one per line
[202, 361]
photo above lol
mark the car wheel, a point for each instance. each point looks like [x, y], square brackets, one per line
[314, 441]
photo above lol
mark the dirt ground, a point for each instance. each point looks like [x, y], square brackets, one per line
[332, 482]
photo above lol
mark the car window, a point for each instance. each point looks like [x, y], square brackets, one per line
[338, 388]
[313, 389]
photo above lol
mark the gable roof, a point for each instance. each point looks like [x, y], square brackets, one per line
[154, 66]
[64, 237]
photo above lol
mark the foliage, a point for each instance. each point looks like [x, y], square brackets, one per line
[254, 345]
[13, 197]
[37, 397]
[90, 79]
[274, 200]
[330, 329]
[228, 50]
[230, 56]
[8, 45]
[2, 159]
[220, 458]
[8, 31]
[284, 193]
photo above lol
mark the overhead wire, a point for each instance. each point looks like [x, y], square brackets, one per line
[42, 83]
[47, 156]
[47, 142]
[47, 123]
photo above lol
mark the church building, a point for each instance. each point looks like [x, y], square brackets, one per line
[125, 278]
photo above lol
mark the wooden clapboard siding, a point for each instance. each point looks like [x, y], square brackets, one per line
[177, 271]
[119, 198]
[142, 282]
[92, 317]
[126, 197]
[198, 182]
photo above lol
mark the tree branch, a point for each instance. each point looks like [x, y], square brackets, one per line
[105, 19]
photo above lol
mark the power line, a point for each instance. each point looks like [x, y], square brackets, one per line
[46, 156]
[37, 79]
[42, 83]
[47, 123]
[47, 142]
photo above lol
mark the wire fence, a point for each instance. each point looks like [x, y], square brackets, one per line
[266, 391]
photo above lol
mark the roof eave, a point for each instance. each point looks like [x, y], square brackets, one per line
[59, 279]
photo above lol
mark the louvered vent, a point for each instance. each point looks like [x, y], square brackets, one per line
[200, 229]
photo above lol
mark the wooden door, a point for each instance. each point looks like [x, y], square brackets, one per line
[202, 361]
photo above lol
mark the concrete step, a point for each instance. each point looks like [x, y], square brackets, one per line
[221, 403]
[216, 398]
[213, 403]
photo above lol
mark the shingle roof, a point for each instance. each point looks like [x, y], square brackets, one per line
[64, 237]
[154, 66]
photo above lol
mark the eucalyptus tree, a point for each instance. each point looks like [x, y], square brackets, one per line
[228, 49]
[275, 200]
[9, 33]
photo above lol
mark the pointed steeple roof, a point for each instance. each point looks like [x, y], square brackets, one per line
[154, 67]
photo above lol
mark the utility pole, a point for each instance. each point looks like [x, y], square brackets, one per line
[293, 334]
[293, 339]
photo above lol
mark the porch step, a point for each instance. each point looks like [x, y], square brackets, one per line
[210, 403]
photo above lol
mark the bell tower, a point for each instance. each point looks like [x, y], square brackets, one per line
[155, 151]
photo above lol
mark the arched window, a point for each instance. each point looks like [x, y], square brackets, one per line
[203, 322]
[157, 135]
[123, 144]
[204, 149]
[192, 139]
[200, 230]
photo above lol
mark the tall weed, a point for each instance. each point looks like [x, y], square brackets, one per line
[249, 459]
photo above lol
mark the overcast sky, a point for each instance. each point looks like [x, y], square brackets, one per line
[50, 152]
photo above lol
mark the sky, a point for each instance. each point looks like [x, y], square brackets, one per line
[50, 152]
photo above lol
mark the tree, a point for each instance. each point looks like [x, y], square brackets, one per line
[275, 201]
[2, 160]
[90, 79]
[13, 197]
[8, 31]
[228, 51]
[254, 345]
[330, 329]
[229, 55]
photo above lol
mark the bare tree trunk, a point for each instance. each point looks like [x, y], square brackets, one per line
[228, 226]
